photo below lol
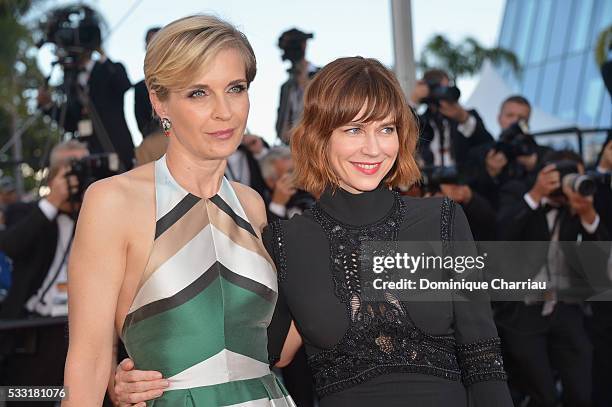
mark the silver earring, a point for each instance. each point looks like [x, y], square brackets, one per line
[166, 125]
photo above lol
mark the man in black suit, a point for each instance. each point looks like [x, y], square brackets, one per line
[489, 167]
[293, 44]
[282, 198]
[447, 131]
[94, 110]
[546, 334]
[276, 167]
[242, 166]
[143, 110]
[39, 245]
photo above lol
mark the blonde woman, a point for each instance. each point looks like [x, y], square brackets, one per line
[170, 255]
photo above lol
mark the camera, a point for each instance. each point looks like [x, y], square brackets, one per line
[583, 184]
[516, 141]
[302, 200]
[90, 169]
[603, 180]
[439, 92]
[434, 176]
[75, 30]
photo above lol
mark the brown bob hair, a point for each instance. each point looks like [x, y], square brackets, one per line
[333, 98]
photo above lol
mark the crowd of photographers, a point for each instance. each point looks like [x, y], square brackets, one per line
[511, 189]
[556, 346]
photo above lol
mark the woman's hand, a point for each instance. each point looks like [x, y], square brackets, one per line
[134, 387]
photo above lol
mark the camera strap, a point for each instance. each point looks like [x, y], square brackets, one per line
[441, 141]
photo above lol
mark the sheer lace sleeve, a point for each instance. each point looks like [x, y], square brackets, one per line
[478, 345]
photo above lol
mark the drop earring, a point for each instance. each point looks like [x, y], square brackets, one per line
[166, 125]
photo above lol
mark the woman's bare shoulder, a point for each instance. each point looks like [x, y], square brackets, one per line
[123, 194]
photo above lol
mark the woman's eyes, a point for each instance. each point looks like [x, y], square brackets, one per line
[384, 130]
[198, 93]
[237, 89]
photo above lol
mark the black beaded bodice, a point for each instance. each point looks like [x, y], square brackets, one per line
[381, 337]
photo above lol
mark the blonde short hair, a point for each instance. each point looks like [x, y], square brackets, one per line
[179, 51]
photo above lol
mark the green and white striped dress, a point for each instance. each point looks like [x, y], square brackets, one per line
[204, 303]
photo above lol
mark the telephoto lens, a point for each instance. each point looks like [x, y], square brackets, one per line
[584, 184]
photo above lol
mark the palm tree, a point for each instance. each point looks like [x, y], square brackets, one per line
[602, 50]
[464, 58]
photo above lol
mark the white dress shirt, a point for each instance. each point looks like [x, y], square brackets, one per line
[444, 157]
[555, 272]
[51, 299]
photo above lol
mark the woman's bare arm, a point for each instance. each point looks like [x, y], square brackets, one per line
[95, 275]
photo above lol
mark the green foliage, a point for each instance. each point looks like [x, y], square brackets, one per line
[602, 46]
[463, 59]
[19, 80]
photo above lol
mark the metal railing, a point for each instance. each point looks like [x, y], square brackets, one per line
[578, 132]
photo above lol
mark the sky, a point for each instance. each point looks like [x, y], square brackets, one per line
[340, 27]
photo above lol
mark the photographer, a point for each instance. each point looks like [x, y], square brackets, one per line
[290, 106]
[276, 168]
[546, 334]
[242, 166]
[446, 181]
[147, 124]
[39, 245]
[284, 200]
[448, 131]
[93, 89]
[515, 155]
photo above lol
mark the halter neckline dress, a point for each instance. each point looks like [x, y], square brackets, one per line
[204, 302]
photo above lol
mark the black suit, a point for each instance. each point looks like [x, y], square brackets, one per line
[489, 187]
[257, 182]
[538, 344]
[460, 145]
[518, 222]
[481, 217]
[31, 244]
[107, 84]
[143, 110]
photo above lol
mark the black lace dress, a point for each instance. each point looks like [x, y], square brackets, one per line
[386, 353]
